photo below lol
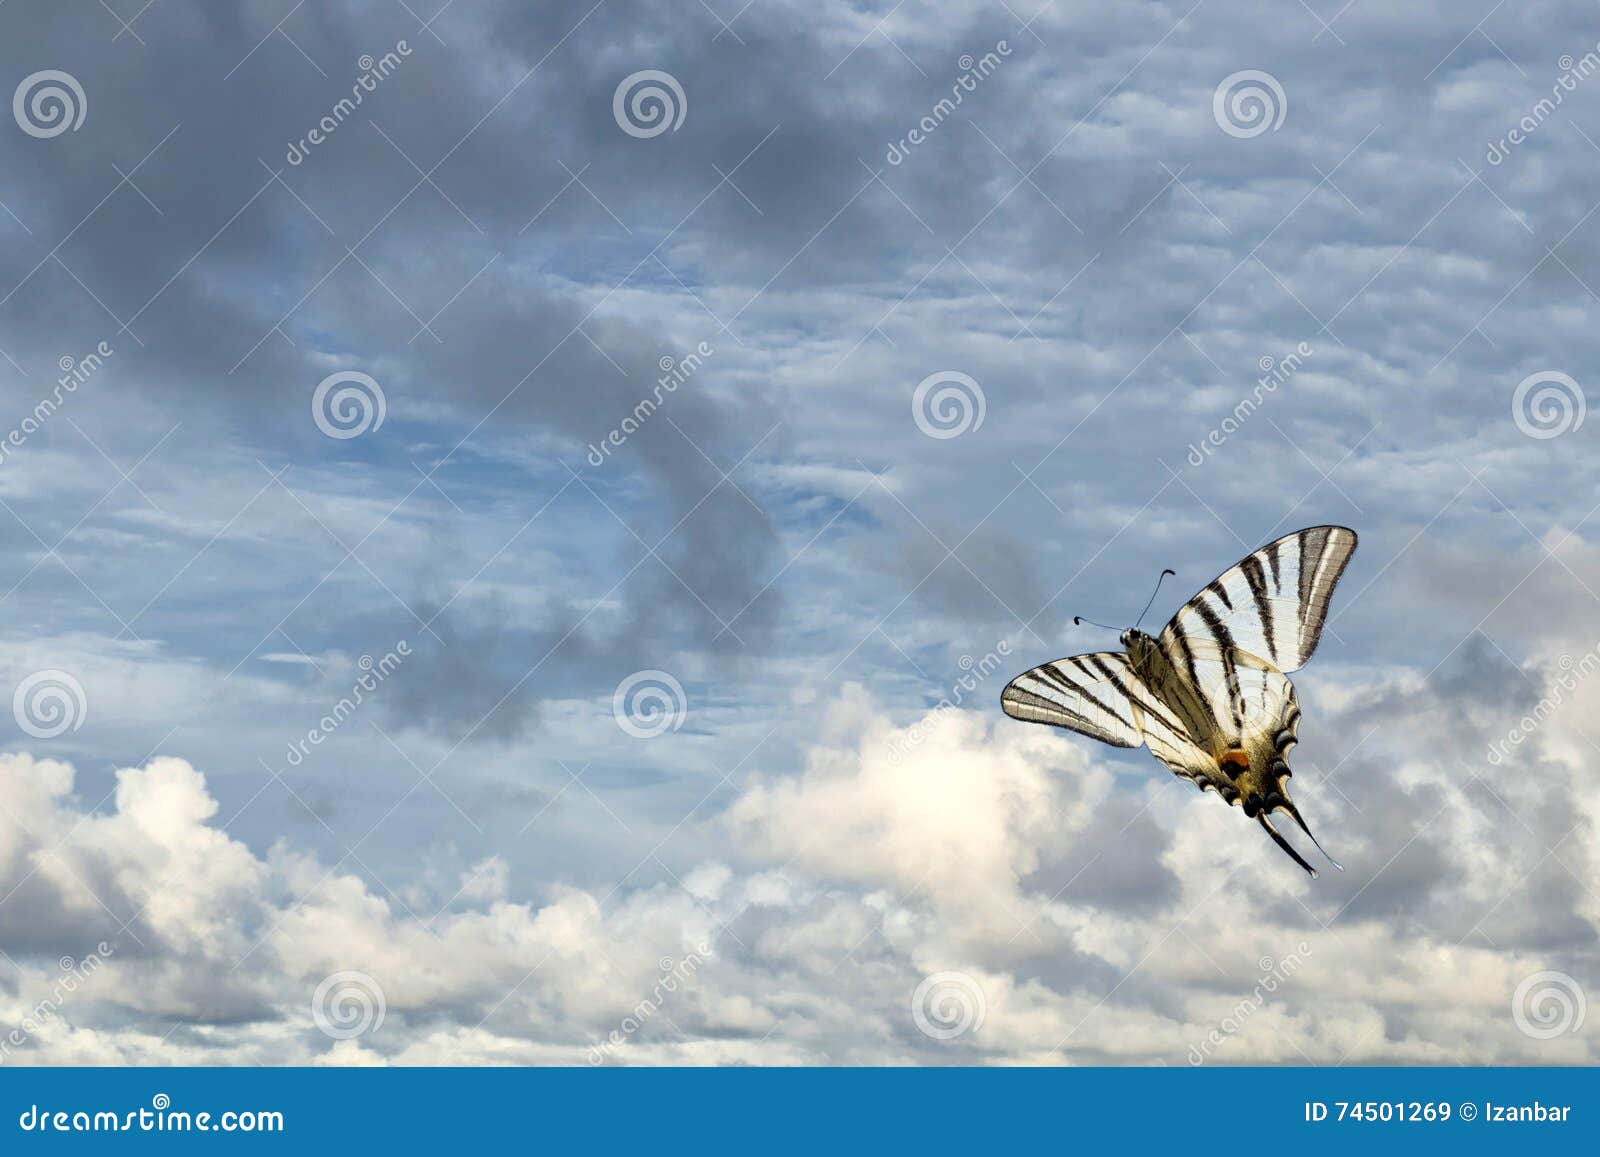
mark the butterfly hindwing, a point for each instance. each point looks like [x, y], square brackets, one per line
[1169, 741]
[1238, 697]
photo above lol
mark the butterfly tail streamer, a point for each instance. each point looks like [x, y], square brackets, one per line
[1277, 800]
[1285, 845]
[1294, 814]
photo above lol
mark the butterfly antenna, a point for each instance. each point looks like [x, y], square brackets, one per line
[1079, 619]
[1153, 595]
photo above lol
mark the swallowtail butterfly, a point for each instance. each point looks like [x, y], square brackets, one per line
[1209, 695]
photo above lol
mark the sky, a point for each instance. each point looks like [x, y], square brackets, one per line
[517, 519]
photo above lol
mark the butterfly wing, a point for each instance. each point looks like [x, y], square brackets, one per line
[1169, 741]
[1273, 603]
[1088, 694]
[1100, 696]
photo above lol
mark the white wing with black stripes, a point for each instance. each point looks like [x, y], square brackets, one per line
[1273, 603]
[1099, 696]
[1086, 693]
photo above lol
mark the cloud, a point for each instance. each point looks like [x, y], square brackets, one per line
[894, 854]
[954, 811]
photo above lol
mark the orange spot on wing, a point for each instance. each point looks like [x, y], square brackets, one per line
[1234, 762]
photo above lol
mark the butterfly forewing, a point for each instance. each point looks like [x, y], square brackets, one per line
[1100, 696]
[1273, 603]
[1088, 694]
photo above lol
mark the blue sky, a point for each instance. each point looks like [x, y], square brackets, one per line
[1098, 244]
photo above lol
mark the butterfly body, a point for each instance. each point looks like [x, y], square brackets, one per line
[1159, 673]
[1208, 695]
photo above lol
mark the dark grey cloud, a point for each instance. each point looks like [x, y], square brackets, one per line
[507, 350]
